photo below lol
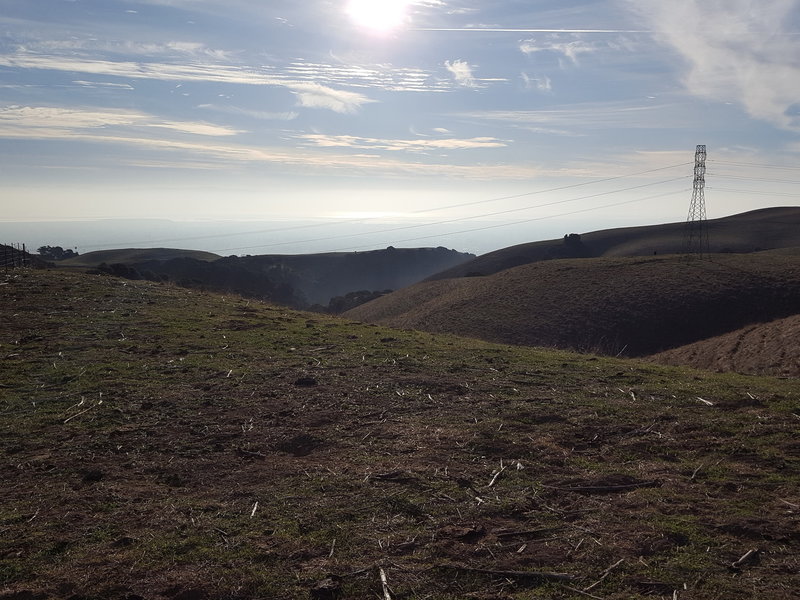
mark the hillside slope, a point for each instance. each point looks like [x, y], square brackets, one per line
[131, 256]
[297, 280]
[760, 349]
[756, 230]
[631, 306]
[320, 277]
[159, 443]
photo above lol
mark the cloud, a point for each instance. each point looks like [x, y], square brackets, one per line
[735, 50]
[542, 84]
[578, 119]
[47, 122]
[178, 49]
[571, 50]
[349, 72]
[196, 128]
[103, 84]
[309, 94]
[314, 95]
[461, 71]
[253, 114]
[109, 128]
[416, 145]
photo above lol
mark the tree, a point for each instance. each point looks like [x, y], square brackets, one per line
[56, 252]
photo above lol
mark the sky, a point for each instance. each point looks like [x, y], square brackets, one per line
[280, 126]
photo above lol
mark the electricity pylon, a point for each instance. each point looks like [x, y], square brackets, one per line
[696, 242]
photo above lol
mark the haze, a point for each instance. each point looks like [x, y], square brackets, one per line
[469, 124]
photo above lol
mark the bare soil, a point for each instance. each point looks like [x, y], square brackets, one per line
[159, 443]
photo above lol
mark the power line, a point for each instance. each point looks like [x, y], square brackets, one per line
[745, 178]
[457, 220]
[760, 165]
[363, 220]
[754, 192]
[499, 225]
[555, 189]
[696, 243]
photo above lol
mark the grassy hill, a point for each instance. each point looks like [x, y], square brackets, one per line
[299, 280]
[756, 230]
[168, 444]
[321, 277]
[131, 256]
[631, 306]
[760, 349]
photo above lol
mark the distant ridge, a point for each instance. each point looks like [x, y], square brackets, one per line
[752, 231]
[135, 255]
[300, 280]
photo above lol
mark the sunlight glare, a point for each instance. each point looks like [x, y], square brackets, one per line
[378, 16]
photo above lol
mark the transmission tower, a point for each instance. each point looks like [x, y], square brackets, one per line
[696, 242]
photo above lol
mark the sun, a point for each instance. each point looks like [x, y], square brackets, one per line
[378, 16]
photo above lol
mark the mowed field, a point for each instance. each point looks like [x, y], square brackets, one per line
[162, 443]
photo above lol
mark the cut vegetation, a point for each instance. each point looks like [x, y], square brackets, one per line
[159, 442]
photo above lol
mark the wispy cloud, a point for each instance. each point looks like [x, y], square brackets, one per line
[350, 73]
[570, 49]
[103, 84]
[542, 84]
[577, 119]
[736, 50]
[314, 95]
[191, 151]
[461, 71]
[45, 122]
[177, 49]
[253, 114]
[415, 145]
[309, 94]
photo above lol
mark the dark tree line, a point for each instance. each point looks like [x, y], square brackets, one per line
[56, 253]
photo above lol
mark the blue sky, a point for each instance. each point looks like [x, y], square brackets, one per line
[464, 123]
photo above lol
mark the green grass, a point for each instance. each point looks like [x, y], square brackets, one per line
[366, 447]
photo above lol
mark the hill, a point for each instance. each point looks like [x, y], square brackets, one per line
[168, 444]
[760, 349]
[14, 256]
[132, 256]
[320, 277]
[630, 306]
[752, 231]
[295, 280]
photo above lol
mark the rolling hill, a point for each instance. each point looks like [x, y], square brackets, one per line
[131, 256]
[296, 280]
[760, 349]
[627, 306]
[752, 231]
[167, 444]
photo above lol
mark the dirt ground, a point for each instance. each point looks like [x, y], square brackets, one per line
[159, 443]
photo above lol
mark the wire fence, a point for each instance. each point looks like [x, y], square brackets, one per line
[14, 256]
